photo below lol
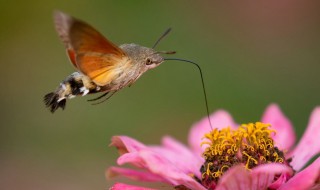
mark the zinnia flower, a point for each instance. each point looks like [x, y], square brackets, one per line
[252, 156]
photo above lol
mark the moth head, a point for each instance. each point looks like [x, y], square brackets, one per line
[142, 56]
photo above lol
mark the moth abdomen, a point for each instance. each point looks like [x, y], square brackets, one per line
[74, 85]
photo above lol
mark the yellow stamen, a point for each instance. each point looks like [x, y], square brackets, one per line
[251, 144]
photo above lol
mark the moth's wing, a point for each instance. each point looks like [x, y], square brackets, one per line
[63, 23]
[88, 50]
[101, 68]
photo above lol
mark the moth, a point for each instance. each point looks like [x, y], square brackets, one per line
[101, 65]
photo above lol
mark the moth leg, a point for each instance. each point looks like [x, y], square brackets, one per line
[96, 103]
[97, 98]
[132, 81]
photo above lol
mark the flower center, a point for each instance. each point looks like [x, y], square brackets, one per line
[250, 144]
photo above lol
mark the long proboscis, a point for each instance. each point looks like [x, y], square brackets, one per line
[202, 81]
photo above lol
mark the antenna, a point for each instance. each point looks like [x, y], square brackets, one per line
[202, 81]
[161, 37]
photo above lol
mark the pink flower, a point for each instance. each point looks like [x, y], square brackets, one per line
[189, 167]
[128, 187]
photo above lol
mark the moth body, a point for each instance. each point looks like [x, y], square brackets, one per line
[101, 65]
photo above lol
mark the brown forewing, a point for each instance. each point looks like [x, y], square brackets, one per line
[88, 50]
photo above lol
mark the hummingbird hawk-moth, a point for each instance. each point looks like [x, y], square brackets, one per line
[101, 65]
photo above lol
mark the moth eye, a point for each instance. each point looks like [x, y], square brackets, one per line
[148, 62]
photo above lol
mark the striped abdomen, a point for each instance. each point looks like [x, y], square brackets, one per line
[74, 85]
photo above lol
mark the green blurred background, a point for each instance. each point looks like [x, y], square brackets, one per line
[252, 54]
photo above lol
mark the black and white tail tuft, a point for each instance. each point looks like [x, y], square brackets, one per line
[51, 101]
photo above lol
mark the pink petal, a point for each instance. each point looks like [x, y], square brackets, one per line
[219, 119]
[285, 136]
[160, 166]
[305, 179]
[134, 174]
[121, 186]
[182, 156]
[177, 153]
[239, 178]
[236, 178]
[133, 158]
[263, 175]
[126, 144]
[175, 146]
[309, 144]
[178, 161]
[283, 178]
